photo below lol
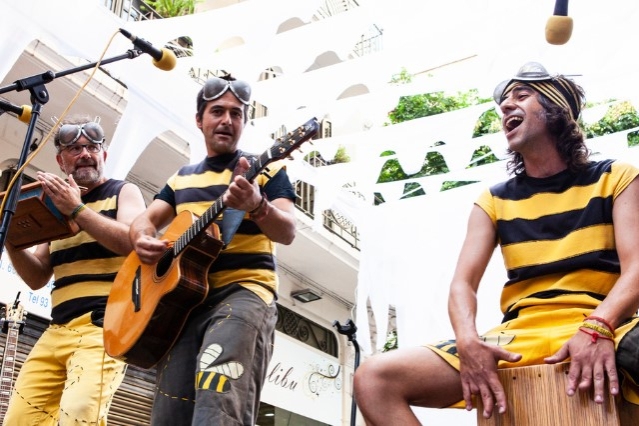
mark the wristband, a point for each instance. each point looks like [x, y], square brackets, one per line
[601, 320]
[77, 210]
[601, 330]
[259, 206]
[261, 211]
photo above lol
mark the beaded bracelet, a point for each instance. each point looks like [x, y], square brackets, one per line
[601, 320]
[594, 336]
[77, 210]
[601, 330]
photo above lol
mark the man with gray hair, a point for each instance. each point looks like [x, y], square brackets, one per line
[67, 378]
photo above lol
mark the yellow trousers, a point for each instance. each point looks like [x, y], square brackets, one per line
[67, 379]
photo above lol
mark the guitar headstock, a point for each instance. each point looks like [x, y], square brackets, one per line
[15, 313]
[14, 316]
[285, 145]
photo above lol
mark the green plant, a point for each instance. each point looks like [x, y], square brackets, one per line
[618, 117]
[172, 8]
[423, 105]
[391, 341]
[341, 156]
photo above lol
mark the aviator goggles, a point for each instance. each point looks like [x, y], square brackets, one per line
[71, 133]
[216, 87]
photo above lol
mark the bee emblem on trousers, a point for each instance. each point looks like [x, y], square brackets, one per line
[216, 377]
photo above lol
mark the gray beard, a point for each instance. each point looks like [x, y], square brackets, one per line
[86, 177]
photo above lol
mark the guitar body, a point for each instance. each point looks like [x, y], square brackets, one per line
[149, 304]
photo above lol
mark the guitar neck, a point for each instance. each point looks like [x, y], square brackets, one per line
[214, 211]
[8, 366]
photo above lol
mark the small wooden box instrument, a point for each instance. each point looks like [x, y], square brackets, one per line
[37, 220]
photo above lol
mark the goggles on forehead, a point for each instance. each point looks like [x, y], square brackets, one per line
[216, 87]
[71, 133]
[556, 88]
[531, 71]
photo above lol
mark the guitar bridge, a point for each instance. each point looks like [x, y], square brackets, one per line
[136, 290]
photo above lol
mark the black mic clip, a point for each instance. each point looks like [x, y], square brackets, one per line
[162, 58]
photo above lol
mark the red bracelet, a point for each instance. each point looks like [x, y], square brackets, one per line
[601, 320]
[594, 336]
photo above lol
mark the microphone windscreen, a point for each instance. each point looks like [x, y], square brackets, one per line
[167, 61]
[25, 117]
[558, 29]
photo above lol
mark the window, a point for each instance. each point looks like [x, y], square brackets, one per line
[306, 331]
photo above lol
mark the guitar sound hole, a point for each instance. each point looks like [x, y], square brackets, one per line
[164, 263]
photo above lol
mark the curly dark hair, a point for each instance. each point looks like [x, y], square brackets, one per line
[567, 132]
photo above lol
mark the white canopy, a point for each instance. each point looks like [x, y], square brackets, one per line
[408, 246]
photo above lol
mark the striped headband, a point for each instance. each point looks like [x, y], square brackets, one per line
[557, 89]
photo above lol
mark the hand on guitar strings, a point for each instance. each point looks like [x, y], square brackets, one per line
[151, 249]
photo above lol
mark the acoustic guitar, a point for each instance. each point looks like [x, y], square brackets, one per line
[12, 324]
[149, 304]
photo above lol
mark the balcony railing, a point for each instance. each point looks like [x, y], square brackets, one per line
[333, 221]
[132, 10]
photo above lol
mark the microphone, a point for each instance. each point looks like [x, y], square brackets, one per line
[23, 112]
[559, 26]
[163, 58]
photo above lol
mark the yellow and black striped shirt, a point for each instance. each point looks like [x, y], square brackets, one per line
[249, 259]
[84, 269]
[556, 235]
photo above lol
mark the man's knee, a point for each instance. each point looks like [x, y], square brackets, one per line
[374, 373]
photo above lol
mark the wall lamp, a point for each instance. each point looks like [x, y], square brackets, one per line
[305, 296]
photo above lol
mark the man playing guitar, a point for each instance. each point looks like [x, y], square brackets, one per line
[215, 371]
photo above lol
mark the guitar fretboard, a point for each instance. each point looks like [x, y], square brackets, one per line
[276, 152]
[8, 366]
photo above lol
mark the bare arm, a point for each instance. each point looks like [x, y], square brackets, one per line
[591, 363]
[114, 234]
[623, 300]
[144, 231]
[33, 267]
[278, 221]
[478, 360]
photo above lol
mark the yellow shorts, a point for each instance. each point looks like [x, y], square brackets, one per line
[539, 332]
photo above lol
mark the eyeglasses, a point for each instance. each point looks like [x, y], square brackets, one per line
[76, 149]
[71, 133]
[216, 87]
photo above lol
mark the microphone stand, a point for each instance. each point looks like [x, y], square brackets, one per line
[39, 96]
[349, 330]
